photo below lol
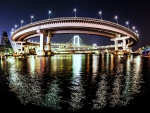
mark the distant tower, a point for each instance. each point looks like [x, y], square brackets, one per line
[76, 40]
[94, 45]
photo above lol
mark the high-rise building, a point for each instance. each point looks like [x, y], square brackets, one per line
[5, 44]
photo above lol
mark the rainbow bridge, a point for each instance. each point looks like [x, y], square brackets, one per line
[75, 25]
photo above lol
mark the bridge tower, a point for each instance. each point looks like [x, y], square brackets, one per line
[76, 40]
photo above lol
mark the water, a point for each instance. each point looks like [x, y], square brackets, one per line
[75, 82]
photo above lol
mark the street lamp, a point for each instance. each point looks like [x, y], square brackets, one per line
[21, 22]
[12, 30]
[127, 24]
[133, 28]
[31, 18]
[15, 27]
[136, 32]
[100, 13]
[116, 17]
[75, 12]
[49, 12]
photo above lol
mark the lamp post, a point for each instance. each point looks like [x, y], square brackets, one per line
[127, 24]
[116, 17]
[100, 13]
[12, 30]
[133, 28]
[136, 32]
[49, 12]
[75, 12]
[31, 18]
[15, 27]
[21, 22]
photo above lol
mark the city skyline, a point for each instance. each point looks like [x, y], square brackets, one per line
[19, 13]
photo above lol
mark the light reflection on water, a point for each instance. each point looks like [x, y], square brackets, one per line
[74, 81]
[77, 91]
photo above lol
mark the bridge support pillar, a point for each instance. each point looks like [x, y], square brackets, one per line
[48, 43]
[41, 52]
[124, 46]
[21, 48]
[116, 45]
[15, 47]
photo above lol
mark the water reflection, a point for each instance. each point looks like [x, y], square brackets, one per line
[77, 91]
[115, 95]
[101, 93]
[52, 97]
[30, 89]
[26, 88]
[126, 94]
[136, 75]
[74, 81]
[41, 67]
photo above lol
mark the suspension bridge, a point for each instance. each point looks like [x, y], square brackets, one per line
[75, 45]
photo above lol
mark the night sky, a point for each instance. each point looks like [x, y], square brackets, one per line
[137, 12]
